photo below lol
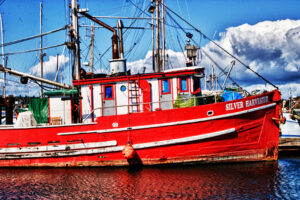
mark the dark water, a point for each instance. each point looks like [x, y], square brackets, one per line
[274, 180]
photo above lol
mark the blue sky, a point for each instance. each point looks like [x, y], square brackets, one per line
[213, 17]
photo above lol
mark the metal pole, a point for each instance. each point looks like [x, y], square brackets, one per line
[92, 49]
[163, 35]
[57, 66]
[157, 5]
[120, 29]
[228, 73]
[21, 74]
[41, 46]
[3, 57]
[76, 34]
[153, 43]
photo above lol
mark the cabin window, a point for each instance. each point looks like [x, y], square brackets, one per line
[184, 87]
[108, 92]
[165, 86]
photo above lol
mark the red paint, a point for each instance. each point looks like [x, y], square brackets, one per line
[111, 80]
[49, 111]
[255, 138]
[146, 90]
[92, 102]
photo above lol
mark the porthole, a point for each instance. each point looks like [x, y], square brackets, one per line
[123, 88]
[210, 113]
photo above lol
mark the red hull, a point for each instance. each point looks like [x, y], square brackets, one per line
[240, 130]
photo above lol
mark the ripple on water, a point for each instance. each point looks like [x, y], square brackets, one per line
[273, 180]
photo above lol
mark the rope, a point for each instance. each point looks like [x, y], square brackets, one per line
[32, 50]
[32, 37]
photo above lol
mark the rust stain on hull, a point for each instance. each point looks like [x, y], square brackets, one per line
[244, 156]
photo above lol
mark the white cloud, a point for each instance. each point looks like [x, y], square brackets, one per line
[49, 67]
[176, 59]
[271, 48]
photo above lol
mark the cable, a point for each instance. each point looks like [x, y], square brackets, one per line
[209, 39]
[32, 50]
[32, 37]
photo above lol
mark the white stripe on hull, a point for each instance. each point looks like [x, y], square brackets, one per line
[172, 123]
[58, 147]
[73, 152]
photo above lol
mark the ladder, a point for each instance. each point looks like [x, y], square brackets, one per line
[134, 97]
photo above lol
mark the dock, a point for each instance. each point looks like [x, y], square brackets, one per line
[289, 144]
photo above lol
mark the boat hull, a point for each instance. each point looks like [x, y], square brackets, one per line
[235, 131]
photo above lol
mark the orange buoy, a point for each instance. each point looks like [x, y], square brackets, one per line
[128, 151]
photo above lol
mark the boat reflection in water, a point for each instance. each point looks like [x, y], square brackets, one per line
[271, 180]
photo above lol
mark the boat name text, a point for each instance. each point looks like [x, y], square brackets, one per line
[248, 103]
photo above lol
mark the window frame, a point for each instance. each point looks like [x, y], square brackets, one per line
[112, 92]
[162, 89]
[187, 84]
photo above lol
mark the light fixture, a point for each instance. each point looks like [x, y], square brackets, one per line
[151, 9]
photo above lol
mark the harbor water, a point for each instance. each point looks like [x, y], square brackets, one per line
[260, 180]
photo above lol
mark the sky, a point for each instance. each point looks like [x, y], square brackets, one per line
[264, 34]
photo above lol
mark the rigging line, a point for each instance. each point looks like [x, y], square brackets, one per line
[63, 51]
[1, 2]
[143, 11]
[209, 39]
[131, 24]
[181, 49]
[220, 68]
[32, 50]
[32, 37]
[43, 86]
[187, 9]
[9, 80]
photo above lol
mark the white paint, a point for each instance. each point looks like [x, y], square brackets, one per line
[86, 151]
[175, 88]
[184, 68]
[291, 127]
[122, 98]
[86, 104]
[58, 147]
[182, 140]
[97, 100]
[59, 108]
[155, 90]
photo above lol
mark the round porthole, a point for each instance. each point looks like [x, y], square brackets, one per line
[210, 113]
[123, 88]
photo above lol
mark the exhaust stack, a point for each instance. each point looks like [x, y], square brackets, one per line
[119, 65]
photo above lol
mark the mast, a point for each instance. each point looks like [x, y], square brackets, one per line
[92, 48]
[157, 3]
[76, 35]
[163, 26]
[3, 57]
[41, 46]
[151, 10]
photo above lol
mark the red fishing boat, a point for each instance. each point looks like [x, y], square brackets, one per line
[142, 119]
